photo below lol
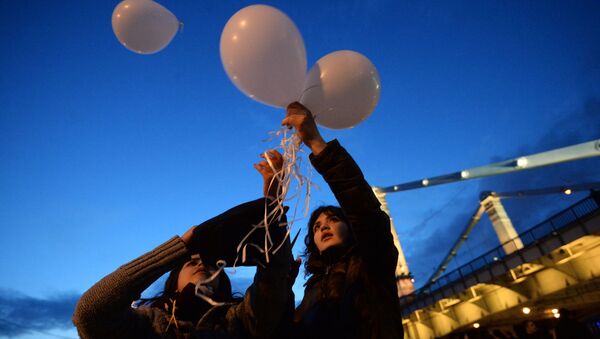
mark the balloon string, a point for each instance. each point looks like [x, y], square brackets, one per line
[290, 145]
[306, 90]
[172, 319]
[201, 290]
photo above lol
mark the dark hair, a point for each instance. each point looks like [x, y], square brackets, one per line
[313, 261]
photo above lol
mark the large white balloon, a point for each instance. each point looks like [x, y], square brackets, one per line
[144, 26]
[342, 89]
[263, 54]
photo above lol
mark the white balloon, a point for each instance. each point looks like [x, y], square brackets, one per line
[144, 26]
[263, 54]
[341, 89]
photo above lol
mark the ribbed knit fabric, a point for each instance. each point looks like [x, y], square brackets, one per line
[106, 306]
[105, 311]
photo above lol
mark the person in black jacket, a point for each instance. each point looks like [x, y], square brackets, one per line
[197, 300]
[350, 256]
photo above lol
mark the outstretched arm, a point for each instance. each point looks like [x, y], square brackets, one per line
[104, 311]
[370, 225]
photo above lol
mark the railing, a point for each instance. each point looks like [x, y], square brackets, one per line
[547, 228]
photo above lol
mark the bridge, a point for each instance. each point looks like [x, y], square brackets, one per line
[557, 266]
[553, 264]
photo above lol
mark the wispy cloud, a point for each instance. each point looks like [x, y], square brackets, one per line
[21, 314]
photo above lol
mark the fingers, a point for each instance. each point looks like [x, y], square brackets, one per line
[296, 107]
[296, 114]
[273, 162]
[263, 168]
[272, 154]
[262, 165]
[274, 159]
[294, 120]
[287, 121]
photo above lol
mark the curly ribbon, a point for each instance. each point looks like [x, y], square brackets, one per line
[290, 144]
[203, 290]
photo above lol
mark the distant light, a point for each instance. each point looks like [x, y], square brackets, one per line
[464, 174]
[425, 182]
[555, 310]
[526, 310]
[495, 258]
[476, 325]
[556, 315]
[568, 191]
[522, 162]
[412, 280]
[395, 188]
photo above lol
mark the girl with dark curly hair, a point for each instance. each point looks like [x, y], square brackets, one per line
[350, 257]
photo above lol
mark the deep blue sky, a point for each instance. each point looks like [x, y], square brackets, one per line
[106, 153]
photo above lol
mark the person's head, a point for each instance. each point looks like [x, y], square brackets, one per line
[193, 271]
[328, 227]
[530, 327]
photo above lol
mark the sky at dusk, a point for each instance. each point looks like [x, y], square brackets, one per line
[105, 154]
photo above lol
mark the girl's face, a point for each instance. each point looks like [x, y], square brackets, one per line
[329, 231]
[194, 271]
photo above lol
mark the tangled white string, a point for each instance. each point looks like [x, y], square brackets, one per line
[204, 291]
[290, 145]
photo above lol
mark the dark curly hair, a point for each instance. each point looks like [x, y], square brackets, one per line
[313, 260]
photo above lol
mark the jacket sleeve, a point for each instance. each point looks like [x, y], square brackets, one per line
[104, 311]
[219, 237]
[269, 300]
[370, 225]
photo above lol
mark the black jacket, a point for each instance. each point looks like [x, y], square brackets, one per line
[105, 311]
[355, 294]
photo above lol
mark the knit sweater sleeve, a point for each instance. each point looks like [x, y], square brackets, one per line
[104, 311]
[370, 225]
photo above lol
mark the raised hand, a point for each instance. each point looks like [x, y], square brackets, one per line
[300, 118]
[272, 164]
